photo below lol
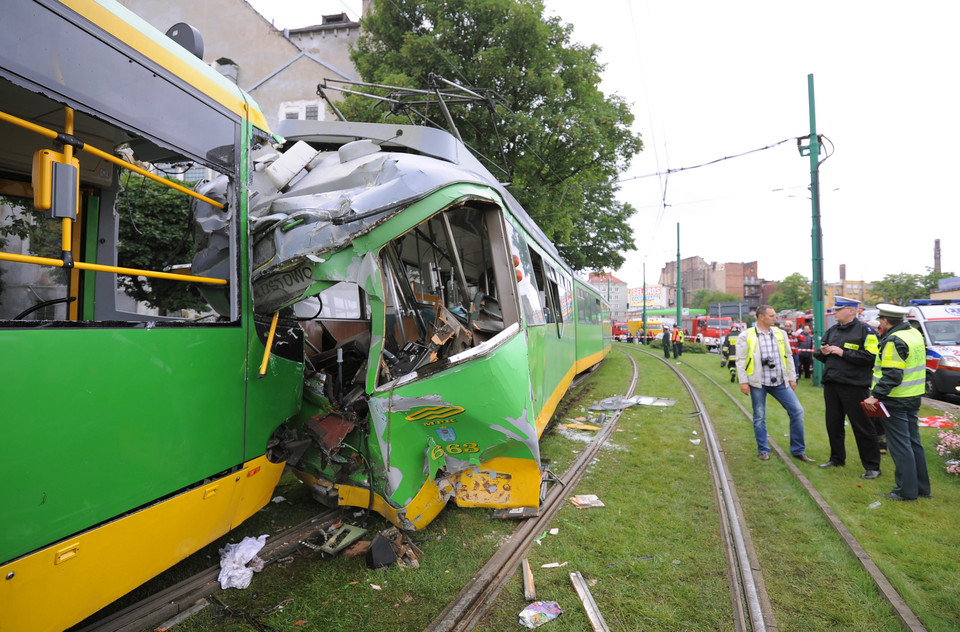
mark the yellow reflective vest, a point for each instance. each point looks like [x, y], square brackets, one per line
[913, 366]
[785, 353]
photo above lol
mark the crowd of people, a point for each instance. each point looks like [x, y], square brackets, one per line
[872, 375]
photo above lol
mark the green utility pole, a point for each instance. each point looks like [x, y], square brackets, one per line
[819, 316]
[643, 339]
[679, 287]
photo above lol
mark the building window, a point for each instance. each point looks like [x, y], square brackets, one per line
[302, 110]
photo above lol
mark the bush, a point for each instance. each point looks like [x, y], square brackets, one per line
[688, 347]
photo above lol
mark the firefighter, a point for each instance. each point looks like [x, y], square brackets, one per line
[677, 341]
[728, 352]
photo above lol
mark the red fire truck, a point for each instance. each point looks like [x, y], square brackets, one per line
[708, 330]
[620, 331]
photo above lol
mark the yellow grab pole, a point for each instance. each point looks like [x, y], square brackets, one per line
[49, 133]
[96, 267]
[266, 352]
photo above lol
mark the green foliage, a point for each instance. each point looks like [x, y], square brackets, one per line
[29, 224]
[702, 298]
[900, 288]
[156, 231]
[564, 142]
[793, 293]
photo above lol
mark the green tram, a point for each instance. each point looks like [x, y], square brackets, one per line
[362, 302]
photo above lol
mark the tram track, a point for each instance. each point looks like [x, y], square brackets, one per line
[902, 611]
[187, 597]
[472, 602]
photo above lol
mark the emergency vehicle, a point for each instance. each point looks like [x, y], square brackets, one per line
[654, 327]
[708, 330]
[939, 322]
[620, 331]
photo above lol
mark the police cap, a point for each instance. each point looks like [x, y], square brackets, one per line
[892, 311]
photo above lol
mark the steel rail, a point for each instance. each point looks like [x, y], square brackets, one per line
[908, 619]
[158, 608]
[747, 588]
[463, 613]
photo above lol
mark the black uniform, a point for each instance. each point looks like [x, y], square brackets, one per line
[728, 353]
[846, 383]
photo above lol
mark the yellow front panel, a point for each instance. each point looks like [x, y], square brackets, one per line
[68, 581]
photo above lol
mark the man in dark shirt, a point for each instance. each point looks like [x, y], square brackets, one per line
[848, 351]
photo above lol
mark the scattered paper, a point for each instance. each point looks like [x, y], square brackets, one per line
[278, 499]
[554, 531]
[586, 501]
[695, 441]
[553, 565]
[238, 562]
[618, 402]
[375, 587]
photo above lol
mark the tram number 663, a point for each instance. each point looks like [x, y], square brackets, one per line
[453, 448]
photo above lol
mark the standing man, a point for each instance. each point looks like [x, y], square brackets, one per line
[677, 341]
[765, 365]
[848, 351]
[898, 382]
[667, 343]
[805, 349]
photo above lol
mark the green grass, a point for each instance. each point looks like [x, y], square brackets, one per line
[652, 555]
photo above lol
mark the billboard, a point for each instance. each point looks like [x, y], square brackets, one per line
[654, 297]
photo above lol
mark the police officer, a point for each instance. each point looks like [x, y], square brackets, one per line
[898, 382]
[848, 351]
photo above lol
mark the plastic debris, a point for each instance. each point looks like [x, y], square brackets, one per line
[278, 499]
[618, 402]
[874, 504]
[582, 426]
[554, 531]
[695, 441]
[539, 612]
[238, 562]
[586, 501]
[553, 565]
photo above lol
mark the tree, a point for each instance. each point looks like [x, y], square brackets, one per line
[899, 288]
[703, 298]
[792, 293]
[562, 140]
[156, 231]
[930, 279]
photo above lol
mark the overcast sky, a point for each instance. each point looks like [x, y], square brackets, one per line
[711, 80]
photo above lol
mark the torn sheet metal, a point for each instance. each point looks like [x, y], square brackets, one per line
[619, 402]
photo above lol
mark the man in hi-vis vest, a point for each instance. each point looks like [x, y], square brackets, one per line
[898, 382]
[765, 365]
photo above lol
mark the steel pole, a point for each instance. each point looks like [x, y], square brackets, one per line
[819, 315]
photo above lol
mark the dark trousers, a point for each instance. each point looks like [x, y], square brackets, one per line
[677, 349]
[666, 347]
[806, 365]
[909, 459]
[843, 400]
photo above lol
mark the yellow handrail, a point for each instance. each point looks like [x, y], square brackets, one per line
[96, 267]
[49, 133]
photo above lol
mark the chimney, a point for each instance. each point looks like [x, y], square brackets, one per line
[843, 272]
[936, 256]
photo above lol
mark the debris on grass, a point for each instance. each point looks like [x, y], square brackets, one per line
[238, 562]
[586, 501]
[539, 612]
[619, 402]
[553, 565]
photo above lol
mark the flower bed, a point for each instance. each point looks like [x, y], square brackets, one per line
[948, 447]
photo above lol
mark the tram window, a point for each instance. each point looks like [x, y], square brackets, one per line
[30, 292]
[527, 284]
[446, 284]
[124, 220]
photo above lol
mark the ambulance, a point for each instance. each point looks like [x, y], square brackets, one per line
[939, 322]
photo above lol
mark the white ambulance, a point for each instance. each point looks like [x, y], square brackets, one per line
[939, 322]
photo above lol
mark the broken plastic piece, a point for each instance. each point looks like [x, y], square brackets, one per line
[342, 538]
[380, 553]
[593, 613]
[539, 612]
[529, 590]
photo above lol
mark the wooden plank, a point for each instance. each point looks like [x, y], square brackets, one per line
[593, 613]
[529, 590]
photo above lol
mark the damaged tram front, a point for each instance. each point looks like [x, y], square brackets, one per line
[404, 273]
